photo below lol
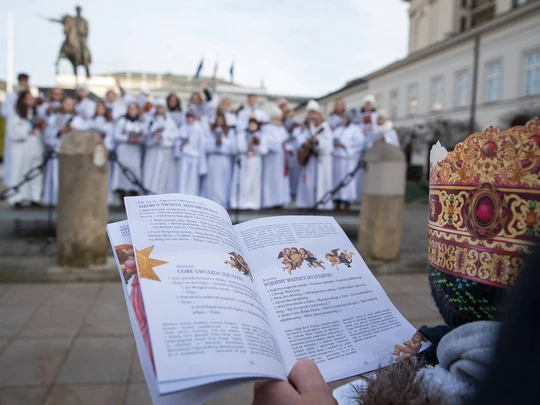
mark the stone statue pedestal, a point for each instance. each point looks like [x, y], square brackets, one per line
[81, 238]
[381, 212]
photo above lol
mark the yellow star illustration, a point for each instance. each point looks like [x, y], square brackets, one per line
[146, 264]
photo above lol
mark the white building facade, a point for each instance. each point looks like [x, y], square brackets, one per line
[161, 85]
[488, 72]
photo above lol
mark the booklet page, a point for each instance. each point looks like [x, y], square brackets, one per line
[323, 302]
[204, 314]
[120, 239]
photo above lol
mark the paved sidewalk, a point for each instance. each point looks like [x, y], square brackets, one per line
[72, 344]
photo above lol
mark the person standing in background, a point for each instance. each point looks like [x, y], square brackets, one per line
[383, 131]
[316, 145]
[349, 146]
[220, 145]
[161, 133]
[53, 103]
[128, 137]
[225, 107]
[276, 191]
[368, 115]
[85, 107]
[59, 125]
[188, 149]
[115, 108]
[26, 149]
[246, 192]
[174, 108]
[8, 109]
[249, 112]
[335, 119]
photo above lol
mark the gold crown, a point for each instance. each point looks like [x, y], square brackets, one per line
[485, 204]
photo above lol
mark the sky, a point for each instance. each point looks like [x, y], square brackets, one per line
[297, 47]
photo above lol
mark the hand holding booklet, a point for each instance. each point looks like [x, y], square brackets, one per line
[214, 305]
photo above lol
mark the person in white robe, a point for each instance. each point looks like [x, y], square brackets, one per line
[220, 146]
[115, 108]
[204, 108]
[367, 116]
[335, 119]
[59, 124]
[129, 138]
[85, 107]
[349, 146]
[8, 109]
[283, 105]
[103, 124]
[292, 150]
[252, 146]
[159, 172]
[142, 99]
[188, 148]
[225, 107]
[248, 112]
[27, 150]
[52, 104]
[174, 107]
[383, 131]
[316, 174]
[276, 191]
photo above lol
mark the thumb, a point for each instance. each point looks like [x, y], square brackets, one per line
[306, 378]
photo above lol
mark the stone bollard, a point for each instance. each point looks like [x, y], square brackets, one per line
[81, 240]
[381, 212]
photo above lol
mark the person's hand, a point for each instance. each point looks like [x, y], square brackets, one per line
[306, 386]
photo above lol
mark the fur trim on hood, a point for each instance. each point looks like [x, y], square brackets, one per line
[398, 385]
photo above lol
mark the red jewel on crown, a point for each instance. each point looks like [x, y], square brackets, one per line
[485, 212]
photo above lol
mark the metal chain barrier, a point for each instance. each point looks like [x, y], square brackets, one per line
[329, 195]
[29, 176]
[130, 176]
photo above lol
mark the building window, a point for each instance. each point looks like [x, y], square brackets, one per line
[519, 3]
[532, 73]
[462, 88]
[394, 103]
[437, 94]
[493, 85]
[379, 101]
[413, 99]
[463, 24]
[463, 3]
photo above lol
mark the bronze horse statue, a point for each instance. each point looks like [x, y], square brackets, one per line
[74, 47]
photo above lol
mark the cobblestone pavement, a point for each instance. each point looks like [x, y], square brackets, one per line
[72, 343]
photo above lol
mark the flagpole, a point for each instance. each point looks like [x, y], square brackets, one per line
[9, 67]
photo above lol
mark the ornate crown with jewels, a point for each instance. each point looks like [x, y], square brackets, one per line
[484, 204]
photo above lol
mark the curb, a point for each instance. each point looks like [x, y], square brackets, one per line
[40, 269]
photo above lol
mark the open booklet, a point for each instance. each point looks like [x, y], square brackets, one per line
[214, 305]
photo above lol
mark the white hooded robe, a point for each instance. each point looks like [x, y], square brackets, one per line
[26, 153]
[246, 192]
[159, 172]
[346, 159]
[220, 166]
[275, 182]
[129, 154]
[316, 175]
[188, 148]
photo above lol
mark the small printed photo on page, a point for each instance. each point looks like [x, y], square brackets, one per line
[323, 301]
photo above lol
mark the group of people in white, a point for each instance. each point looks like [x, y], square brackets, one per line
[248, 159]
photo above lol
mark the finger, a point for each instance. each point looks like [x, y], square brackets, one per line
[306, 377]
[274, 392]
